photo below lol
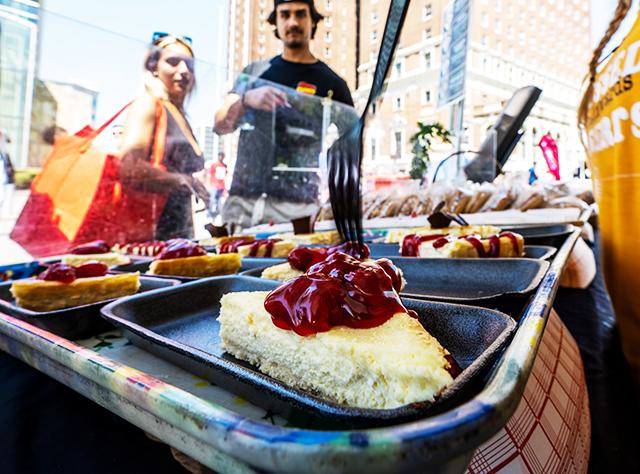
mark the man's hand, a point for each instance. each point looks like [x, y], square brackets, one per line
[265, 98]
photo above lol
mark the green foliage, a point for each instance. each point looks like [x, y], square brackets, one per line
[421, 143]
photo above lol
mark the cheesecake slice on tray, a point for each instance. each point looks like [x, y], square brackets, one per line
[330, 237]
[395, 236]
[341, 332]
[64, 286]
[184, 258]
[260, 248]
[97, 251]
[440, 245]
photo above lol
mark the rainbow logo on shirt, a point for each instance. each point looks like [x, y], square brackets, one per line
[306, 88]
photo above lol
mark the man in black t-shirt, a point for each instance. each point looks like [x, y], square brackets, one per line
[280, 136]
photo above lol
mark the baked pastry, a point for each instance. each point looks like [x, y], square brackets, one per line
[187, 259]
[362, 350]
[97, 251]
[63, 286]
[505, 244]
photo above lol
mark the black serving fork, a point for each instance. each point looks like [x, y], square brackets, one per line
[345, 155]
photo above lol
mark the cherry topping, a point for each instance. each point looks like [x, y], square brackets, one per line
[97, 246]
[411, 243]
[59, 272]
[302, 258]
[181, 248]
[231, 246]
[339, 291]
[91, 269]
[149, 248]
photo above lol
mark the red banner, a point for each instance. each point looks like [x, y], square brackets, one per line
[551, 155]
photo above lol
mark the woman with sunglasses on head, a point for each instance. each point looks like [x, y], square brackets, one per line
[169, 80]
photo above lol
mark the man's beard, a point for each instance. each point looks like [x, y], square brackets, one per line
[296, 44]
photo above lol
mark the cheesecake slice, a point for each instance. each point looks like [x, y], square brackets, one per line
[395, 236]
[330, 237]
[383, 367]
[110, 259]
[281, 272]
[198, 267]
[41, 295]
[505, 245]
[262, 249]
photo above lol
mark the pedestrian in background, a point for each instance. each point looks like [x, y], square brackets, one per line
[7, 175]
[169, 79]
[217, 181]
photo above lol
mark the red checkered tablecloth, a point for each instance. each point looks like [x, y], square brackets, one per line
[550, 431]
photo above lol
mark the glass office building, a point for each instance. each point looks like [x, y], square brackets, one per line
[18, 65]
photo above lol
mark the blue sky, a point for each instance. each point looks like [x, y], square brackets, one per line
[101, 45]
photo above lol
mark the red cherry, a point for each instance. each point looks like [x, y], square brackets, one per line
[91, 269]
[98, 246]
[59, 272]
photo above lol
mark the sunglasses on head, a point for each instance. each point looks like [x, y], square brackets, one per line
[159, 35]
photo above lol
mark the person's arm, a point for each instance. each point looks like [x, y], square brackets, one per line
[137, 139]
[227, 116]
[264, 98]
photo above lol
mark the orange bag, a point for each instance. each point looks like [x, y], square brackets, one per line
[78, 197]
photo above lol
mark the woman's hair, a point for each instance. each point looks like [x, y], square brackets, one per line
[316, 17]
[154, 85]
[583, 111]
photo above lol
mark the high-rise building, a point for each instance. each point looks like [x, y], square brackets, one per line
[18, 69]
[251, 37]
[512, 43]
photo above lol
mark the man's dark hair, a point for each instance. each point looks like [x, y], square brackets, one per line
[316, 17]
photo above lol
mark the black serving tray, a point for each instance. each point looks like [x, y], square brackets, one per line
[248, 263]
[393, 250]
[553, 235]
[469, 279]
[187, 334]
[464, 279]
[78, 322]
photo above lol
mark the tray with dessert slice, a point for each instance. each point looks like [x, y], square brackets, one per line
[66, 300]
[381, 250]
[448, 279]
[414, 365]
